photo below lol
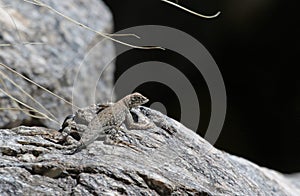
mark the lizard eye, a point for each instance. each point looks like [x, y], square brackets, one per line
[137, 99]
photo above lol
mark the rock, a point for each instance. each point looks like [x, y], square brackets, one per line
[54, 64]
[168, 159]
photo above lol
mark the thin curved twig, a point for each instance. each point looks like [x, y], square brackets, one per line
[107, 36]
[190, 11]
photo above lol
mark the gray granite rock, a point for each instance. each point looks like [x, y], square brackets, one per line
[168, 159]
[65, 52]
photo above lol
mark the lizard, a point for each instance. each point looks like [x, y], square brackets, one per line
[112, 116]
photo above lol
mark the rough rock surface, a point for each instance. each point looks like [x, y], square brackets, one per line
[54, 63]
[168, 159]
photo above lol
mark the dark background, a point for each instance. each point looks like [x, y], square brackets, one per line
[256, 46]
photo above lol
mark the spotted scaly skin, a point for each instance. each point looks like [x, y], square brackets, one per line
[112, 117]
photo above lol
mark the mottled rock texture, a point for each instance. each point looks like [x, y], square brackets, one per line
[66, 50]
[168, 159]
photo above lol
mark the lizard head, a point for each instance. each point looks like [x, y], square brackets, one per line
[135, 99]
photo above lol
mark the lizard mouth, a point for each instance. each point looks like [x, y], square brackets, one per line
[145, 100]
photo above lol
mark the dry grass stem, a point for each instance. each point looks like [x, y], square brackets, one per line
[27, 94]
[190, 11]
[27, 79]
[27, 106]
[23, 43]
[107, 36]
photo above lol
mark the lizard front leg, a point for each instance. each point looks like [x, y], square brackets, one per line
[130, 124]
